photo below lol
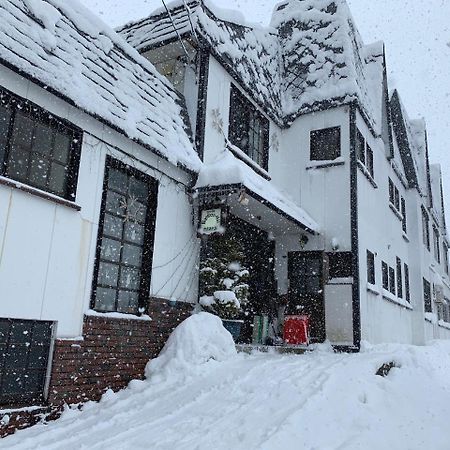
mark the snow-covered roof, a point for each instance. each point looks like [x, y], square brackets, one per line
[228, 170]
[64, 47]
[310, 57]
[250, 53]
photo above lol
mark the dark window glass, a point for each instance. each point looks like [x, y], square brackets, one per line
[24, 355]
[446, 258]
[5, 120]
[249, 129]
[340, 264]
[399, 279]
[385, 275]
[436, 244]
[391, 280]
[391, 192]
[404, 222]
[360, 147]
[427, 296]
[370, 267]
[407, 289]
[425, 229]
[369, 160]
[37, 149]
[325, 144]
[125, 247]
[396, 199]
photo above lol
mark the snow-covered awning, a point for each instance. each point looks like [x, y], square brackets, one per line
[265, 204]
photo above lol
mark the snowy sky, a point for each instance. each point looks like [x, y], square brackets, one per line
[417, 38]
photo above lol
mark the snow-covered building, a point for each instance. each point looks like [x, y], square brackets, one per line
[98, 251]
[117, 148]
[313, 164]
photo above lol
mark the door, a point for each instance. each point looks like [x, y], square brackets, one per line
[306, 293]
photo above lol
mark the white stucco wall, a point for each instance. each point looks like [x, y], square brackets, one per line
[47, 251]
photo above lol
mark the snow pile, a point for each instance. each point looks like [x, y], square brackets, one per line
[198, 340]
[229, 170]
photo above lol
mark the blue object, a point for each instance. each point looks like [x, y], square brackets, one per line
[233, 327]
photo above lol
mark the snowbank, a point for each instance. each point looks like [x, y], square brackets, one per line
[196, 341]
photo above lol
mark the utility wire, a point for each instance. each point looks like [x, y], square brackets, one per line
[176, 31]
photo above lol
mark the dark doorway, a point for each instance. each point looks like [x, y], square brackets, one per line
[306, 296]
[259, 259]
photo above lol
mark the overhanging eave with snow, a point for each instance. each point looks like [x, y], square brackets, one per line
[249, 196]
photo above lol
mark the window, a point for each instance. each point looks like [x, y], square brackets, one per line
[385, 275]
[427, 296]
[325, 144]
[425, 229]
[369, 160]
[249, 129]
[391, 192]
[172, 60]
[445, 257]
[404, 223]
[391, 280]
[37, 149]
[399, 279]
[407, 288]
[446, 317]
[360, 147]
[125, 247]
[436, 244]
[340, 264]
[370, 267]
[24, 355]
[396, 199]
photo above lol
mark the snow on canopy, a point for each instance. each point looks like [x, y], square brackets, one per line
[228, 170]
[65, 48]
[311, 57]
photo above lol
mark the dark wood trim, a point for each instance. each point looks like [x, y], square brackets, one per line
[325, 165]
[149, 234]
[38, 193]
[202, 101]
[356, 310]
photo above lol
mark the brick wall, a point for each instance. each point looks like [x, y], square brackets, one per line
[112, 353]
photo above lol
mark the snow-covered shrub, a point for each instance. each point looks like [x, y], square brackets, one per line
[224, 286]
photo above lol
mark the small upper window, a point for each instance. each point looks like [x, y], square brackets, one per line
[249, 129]
[360, 147]
[436, 244]
[37, 149]
[370, 267]
[425, 229]
[385, 275]
[325, 144]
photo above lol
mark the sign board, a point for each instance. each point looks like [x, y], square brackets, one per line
[211, 221]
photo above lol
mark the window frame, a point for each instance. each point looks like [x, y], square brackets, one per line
[399, 278]
[385, 275]
[403, 213]
[371, 272]
[238, 101]
[148, 239]
[426, 229]
[407, 283]
[40, 116]
[427, 299]
[392, 280]
[314, 138]
[436, 244]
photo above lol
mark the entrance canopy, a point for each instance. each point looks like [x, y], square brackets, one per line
[251, 197]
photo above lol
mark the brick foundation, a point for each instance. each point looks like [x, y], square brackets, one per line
[113, 352]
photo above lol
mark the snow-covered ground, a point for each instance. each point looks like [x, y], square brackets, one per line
[202, 395]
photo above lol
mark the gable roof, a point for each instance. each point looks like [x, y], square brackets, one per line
[311, 57]
[250, 54]
[63, 47]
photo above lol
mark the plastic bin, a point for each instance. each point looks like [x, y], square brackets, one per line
[296, 330]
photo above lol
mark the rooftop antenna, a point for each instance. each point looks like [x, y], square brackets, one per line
[176, 31]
